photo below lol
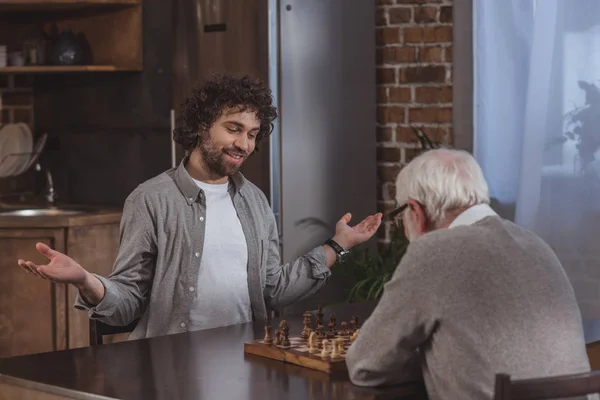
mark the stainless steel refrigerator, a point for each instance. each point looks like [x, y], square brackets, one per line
[319, 59]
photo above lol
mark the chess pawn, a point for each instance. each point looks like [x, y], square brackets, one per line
[354, 335]
[277, 340]
[286, 337]
[340, 345]
[313, 345]
[344, 331]
[268, 339]
[335, 349]
[325, 351]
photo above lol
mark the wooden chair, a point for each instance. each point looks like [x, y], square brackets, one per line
[99, 329]
[547, 388]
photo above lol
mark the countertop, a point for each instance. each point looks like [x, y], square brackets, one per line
[91, 215]
[199, 365]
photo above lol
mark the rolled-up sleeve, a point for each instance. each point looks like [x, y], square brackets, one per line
[127, 288]
[296, 280]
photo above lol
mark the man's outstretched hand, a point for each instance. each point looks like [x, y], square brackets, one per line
[349, 236]
[60, 269]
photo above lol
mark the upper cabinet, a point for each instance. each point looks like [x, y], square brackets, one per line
[46, 36]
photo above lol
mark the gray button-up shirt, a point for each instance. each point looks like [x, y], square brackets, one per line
[161, 240]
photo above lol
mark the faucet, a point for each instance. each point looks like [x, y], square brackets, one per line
[50, 194]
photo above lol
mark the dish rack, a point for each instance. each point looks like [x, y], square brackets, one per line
[32, 155]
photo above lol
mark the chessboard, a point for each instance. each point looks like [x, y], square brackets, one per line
[319, 349]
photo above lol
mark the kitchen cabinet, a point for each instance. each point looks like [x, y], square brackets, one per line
[112, 29]
[37, 315]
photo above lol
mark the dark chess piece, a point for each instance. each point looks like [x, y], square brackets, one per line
[357, 321]
[320, 315]
[306, 331]
[352, 325]
[277, 340]
[332, 324]
[344, 331]
[268, 339]
[319, 330]
[286, 336]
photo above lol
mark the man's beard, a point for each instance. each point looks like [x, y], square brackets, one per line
[215, 160]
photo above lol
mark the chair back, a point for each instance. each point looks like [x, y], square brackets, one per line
[99, 329]
[553, 387]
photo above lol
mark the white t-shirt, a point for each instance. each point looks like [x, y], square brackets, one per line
[222, 296]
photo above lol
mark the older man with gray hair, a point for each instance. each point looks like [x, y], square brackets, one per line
[474, 295]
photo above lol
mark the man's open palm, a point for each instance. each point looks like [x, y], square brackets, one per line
[350, 236]
[61, 268]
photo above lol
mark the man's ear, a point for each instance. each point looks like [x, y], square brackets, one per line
[421, 216]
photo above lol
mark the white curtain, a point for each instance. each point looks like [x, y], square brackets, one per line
[537, 125]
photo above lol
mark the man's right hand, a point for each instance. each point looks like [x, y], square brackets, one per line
[63, 269]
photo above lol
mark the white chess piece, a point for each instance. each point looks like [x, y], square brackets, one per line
[340, 344]
[312, 343]
[325, 351]
[335, 349]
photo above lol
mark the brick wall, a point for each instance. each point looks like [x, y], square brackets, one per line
[414, 85]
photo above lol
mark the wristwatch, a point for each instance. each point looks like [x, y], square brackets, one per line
[339, 250]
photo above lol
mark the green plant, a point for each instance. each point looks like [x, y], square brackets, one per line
[369, 270]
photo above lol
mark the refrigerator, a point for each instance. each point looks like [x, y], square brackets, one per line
[318, 57]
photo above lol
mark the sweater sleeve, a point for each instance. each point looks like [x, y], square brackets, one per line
[386, 350]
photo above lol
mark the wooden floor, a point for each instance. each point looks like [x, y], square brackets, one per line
[593, 351]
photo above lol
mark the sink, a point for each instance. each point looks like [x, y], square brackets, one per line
[37, 212]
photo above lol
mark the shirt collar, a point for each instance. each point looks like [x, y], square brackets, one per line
[472, 215]
[191, 191]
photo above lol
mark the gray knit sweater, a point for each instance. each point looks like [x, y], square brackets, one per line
[467, 303]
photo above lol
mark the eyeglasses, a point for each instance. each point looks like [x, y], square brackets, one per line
[392, 215]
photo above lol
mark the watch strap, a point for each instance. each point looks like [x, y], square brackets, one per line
[337, 248]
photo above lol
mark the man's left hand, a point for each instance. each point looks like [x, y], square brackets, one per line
[350, 236]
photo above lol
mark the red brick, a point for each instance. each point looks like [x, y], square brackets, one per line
[441, 94]
[431, 54]
[426, 14]
[17, 99]
[428, 34]
[388, 154]
[430, 114]
[396, 54]
[387, 173]
[389, 190]
[390, 114]
[381, 17]
[387, 36]
[386, 75]
[406, 134]
[410, 154]
[448, 53]
[384, 134]
[382, 94]
[423, 74]
[446, 14]
[399, 95]
[399, 15]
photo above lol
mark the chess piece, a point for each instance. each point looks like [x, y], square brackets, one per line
[344, 331]
[320, 315]
[277, 340]
[286, 336]
[332, 326]
[354, 335]
[306, 331]
[313, 345]
[325, 351]
[320, 330]
[268, 339]
[335, 349]
[352, 325]
[356, 321]
[340, 345]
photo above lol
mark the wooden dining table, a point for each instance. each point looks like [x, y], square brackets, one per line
[200, 365]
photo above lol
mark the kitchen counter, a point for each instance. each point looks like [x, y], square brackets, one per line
[88, 215]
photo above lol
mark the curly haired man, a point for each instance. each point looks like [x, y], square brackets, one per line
[199, 244]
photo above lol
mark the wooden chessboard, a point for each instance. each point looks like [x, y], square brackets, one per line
[298, 353]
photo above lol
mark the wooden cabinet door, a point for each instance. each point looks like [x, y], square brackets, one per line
[32, 310]
[95, 249]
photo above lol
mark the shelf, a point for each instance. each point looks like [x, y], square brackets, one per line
[49, 69]
[48, 5]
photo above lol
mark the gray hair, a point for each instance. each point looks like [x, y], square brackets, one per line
[442, 180]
